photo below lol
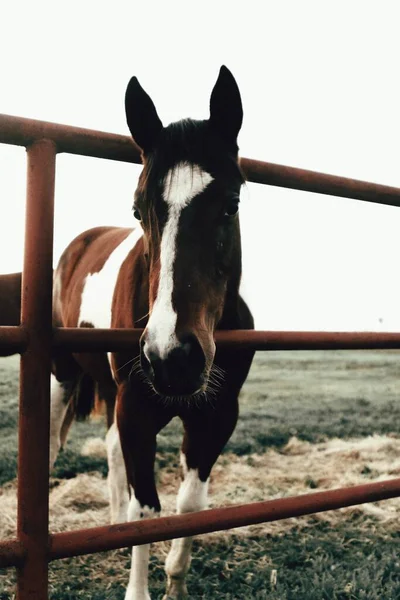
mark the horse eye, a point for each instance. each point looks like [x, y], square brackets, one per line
[137, 214]
[232, 208]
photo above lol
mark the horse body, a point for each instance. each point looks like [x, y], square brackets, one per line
[10, 302]
[176, 275]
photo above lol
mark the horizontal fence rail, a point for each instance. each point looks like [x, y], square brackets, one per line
[85, 339]
[76, 339]
[35, 339]
[75, 140]
[99, 539]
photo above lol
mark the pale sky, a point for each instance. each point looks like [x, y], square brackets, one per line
[319, 85]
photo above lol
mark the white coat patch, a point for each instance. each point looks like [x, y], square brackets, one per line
[181, 185]
[99, 287]
[193, 492]
[192, 497]
[138, 580]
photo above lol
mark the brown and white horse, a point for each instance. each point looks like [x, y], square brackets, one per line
[177, 274]
[10, 302]
[10, 298]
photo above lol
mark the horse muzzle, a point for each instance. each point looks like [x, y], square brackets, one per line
[179, 372]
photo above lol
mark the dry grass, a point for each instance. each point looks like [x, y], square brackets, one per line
[83, 500]
[306, 423]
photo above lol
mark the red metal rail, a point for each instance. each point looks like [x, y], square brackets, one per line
[102, 340]
[86, 142]
[98, 539]
[34, 548]
[34, 407]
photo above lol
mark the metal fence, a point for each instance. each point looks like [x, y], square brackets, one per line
[33, 548]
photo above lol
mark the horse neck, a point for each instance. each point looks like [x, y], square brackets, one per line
[231, 310]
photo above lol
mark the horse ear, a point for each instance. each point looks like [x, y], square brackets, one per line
[141, 115]
[226, 113]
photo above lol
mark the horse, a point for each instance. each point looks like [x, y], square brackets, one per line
[176, 274]
[10, 298]
[10, 302]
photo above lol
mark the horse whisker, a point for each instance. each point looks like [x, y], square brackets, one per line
[127, 363]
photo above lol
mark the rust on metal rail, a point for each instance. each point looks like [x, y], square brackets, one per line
[99, 144]
[97, 539]
[12, 553]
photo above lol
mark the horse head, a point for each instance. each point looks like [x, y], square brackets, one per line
[187, 202]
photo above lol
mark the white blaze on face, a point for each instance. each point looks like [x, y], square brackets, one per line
[181, 185]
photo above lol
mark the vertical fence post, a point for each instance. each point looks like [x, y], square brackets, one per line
[34, 409]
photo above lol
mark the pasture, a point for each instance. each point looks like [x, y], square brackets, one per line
[309, 421]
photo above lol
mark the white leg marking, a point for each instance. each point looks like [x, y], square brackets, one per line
[138, 581]
[58, 409]
[116, 480]
[181, 185]
[99, 287]
[192, 497]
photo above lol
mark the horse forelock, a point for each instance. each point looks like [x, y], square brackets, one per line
[192, 142]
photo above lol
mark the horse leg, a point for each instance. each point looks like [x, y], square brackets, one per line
[139, 421]
[67, 422]
[116, 479]
[59, 396]
[206, 433]
[105, 394]
[192, 496]
[117, 482]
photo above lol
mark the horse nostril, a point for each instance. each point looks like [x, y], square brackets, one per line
[180, 372]
[146, 358]
[186, 347]
[191, 352]
[142, 344]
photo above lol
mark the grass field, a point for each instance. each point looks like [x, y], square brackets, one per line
[309, 421]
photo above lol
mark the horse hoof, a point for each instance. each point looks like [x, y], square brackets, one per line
[176, 590]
